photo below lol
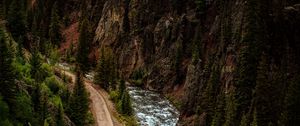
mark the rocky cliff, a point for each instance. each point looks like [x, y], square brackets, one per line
[197, 53]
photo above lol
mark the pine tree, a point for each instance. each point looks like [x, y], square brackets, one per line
[2, 9]
[83, 47]
[126, 24]
[60, 116]
[106, 73]
[291, 111]
[7, 76]
[209, 97]
[122, 88]
[244, 121]
[100, 77]
[126, 104]
[4, 115]
[17, 20]
[79, 103]
[230, 110]
[254, 121]
[248, 60]
[219, 112]
[54, 31]
[35, 62]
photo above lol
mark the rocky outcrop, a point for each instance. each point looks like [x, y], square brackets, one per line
[160, 38]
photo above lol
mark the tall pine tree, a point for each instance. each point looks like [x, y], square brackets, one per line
[7, 76]
[17, 19]
[83, 47]
[54, 31]
[79, 104]
[106, 73]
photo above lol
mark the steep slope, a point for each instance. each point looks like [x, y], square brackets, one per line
[209, 52]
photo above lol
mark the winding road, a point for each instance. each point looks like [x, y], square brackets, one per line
[98, 105]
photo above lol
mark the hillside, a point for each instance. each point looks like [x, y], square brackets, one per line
[219, 62]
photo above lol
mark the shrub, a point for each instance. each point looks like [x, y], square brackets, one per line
[114, 95]
[53, 84]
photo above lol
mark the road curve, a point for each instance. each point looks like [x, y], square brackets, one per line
[98, 105]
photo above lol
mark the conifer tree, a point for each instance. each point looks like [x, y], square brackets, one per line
[83, 47]
[7, 76]
[244, 121]
[100, 77]
[35, 62]
[122, 88]
[254, 120]
[219, 112]
[2, 9]
[290, 115]
[106, 73]
[17, 20]
[54, 31]
[60, 116]
[126, 104]
[230, 110]
[79, 104]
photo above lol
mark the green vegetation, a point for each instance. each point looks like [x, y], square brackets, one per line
[137, 77]
[7, 76]
[31, 94]
[122, 101]
[106, 72]
[17, 20]
[54, 31]
[83, 47]
[79, 103]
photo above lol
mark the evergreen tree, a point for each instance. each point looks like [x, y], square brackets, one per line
[35, 62]
[54, 31]
[291, 111]
[2, 7]
[83, 47]
[79, 104]
[244, 121]
[106, 73]
[248, 60]
[17, 20]
[122, 88]
[126, 24]
[60, 116]
[254, 121]
[209, 98]
[7, 76]
[219, 112]
[230, 110]
[100, 77]
[268, 92]
[126, 104]
[4, 109]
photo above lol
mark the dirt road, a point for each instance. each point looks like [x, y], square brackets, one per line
[98, 105]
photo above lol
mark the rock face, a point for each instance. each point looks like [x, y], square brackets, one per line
[180, 47]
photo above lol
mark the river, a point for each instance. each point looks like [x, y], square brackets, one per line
[151, 109]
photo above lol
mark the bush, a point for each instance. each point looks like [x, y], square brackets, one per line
[53, 84]
[47, 70]
[137, 77]
[114, 95]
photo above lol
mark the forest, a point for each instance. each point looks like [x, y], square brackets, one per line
[94, 62]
